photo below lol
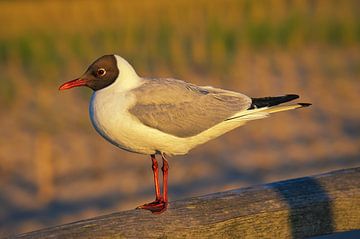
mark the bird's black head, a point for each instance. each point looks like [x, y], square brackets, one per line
[100, 74]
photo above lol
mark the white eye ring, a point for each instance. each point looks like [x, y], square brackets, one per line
[101, 72]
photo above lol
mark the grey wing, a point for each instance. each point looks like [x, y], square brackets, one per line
[182, 109]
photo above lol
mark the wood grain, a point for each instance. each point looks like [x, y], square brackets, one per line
[295, 208]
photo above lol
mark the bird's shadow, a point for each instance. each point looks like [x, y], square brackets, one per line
[309, 205]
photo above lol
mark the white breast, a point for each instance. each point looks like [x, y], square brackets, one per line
[108, 113]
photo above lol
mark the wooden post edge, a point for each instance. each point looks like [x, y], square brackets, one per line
[302, 207]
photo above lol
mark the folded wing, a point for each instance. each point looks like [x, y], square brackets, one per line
[182, 109]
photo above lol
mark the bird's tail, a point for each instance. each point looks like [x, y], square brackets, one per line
[262, 107]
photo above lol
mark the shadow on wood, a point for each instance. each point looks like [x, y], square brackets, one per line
[296, 208]
[307, 215]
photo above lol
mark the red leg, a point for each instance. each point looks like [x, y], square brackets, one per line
[159, 205]
[156, 177]
[165, 170]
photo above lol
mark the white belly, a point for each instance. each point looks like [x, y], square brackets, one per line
[109, 115]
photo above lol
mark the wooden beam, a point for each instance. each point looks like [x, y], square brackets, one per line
[296, 208]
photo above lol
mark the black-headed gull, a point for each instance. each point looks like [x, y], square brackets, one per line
[164, 116]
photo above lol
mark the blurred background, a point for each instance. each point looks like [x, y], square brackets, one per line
[54, 167]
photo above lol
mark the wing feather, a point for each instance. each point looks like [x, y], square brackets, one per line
[182, 109]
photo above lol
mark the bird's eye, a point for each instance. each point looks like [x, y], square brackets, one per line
[101, 72]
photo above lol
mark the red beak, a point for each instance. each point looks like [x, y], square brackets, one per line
[73, 83]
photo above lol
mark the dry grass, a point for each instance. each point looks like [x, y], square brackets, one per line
[52, 161]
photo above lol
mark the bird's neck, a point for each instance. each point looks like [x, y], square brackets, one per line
[123, 84]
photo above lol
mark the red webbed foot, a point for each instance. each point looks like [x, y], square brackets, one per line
[157, 206]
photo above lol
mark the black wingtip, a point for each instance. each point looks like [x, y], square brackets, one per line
[292, 96]
[271, 101]
[305, 104]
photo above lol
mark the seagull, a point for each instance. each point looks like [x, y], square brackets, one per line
[164, 116]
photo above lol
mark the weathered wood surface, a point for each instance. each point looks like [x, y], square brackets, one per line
[296, 208]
